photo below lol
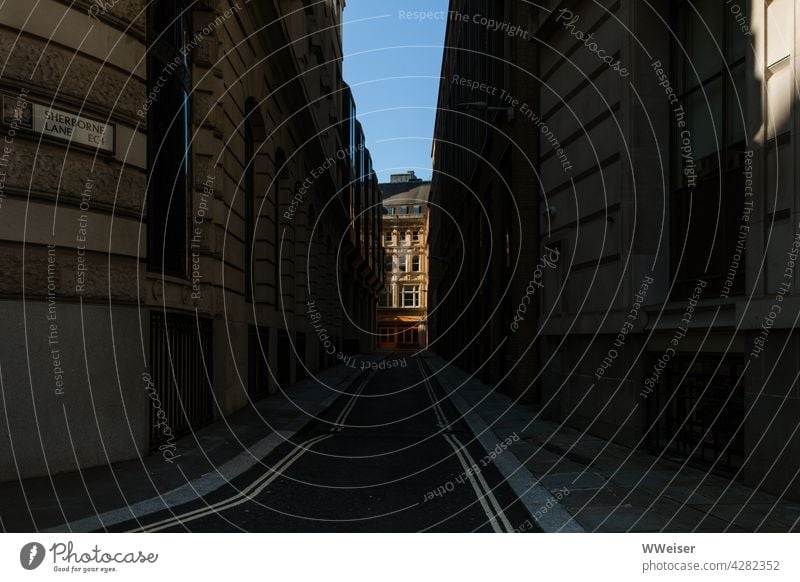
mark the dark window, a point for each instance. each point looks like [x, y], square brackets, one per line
[284, 359]
[249, 197]
[301, 367]
[169, 69]
[278, 174]
[707, 183]
[258, 362]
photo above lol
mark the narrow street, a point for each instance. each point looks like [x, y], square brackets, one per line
[372, 463]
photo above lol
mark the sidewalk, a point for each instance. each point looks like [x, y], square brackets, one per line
[88, 500]
[602, 486]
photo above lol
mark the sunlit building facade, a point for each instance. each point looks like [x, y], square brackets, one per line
[403, 304]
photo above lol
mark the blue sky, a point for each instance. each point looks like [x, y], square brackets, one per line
[393, 65]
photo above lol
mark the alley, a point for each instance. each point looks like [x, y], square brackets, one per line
[389, 455]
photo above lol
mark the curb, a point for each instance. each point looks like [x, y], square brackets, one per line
[526, 487]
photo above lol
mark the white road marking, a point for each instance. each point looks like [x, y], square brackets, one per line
[490, 495]
[481, 487]
[247, 494]
[255, 488]
[478, 492]
[348, 408]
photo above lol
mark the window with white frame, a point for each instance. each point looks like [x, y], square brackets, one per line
[389, 238]
[402, 262]
[415, 262]
[415, 236]
[411, 296]
[403, 236]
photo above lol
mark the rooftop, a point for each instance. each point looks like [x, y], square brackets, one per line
[405, 193]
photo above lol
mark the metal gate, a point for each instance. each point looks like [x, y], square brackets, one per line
[699, 416]
[181, 363]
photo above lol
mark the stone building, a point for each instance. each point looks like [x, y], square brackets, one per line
[665, 153]
[482, 233]
[403, 306]
[174, 176]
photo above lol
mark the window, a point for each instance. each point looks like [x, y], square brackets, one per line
[418, 209]
[403, 263]
[389, 238]
[707, 189]
[415, 263]
[404, 210]
[168, 122]
[249, 197]
[411, 296]
[403, 236]
[258, 361]
[388, 266]
[415, 236]
[279, 177]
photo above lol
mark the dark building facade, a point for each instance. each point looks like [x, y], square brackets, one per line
[481, 231]
[649, 294]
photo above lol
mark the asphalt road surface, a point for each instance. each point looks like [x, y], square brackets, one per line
[390, 455]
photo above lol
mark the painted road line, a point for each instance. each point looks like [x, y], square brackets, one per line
[481, 487]
[244, 495]
[478, 492]
[436, 409]
[248, 493]
[342, 418]
[526, 487]
[492, 499]
[196, 489]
